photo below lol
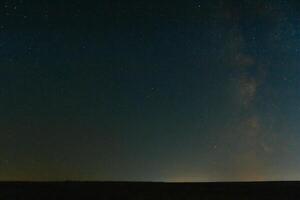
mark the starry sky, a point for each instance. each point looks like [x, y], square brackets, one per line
[150, 90]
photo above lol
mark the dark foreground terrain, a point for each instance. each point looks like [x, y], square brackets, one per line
[144, 191]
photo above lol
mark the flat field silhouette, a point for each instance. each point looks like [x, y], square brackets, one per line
[148, 190]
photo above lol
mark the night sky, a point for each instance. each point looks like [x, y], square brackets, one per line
[150, 90]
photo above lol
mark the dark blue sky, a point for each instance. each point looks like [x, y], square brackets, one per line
[149, 90]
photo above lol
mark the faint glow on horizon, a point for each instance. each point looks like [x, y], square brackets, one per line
[185, 178]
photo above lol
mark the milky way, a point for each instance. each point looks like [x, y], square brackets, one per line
[150, 91]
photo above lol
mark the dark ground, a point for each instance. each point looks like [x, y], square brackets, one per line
[157, 191]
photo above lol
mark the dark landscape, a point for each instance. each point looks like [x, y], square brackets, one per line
[190, 93]
[148, 190]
